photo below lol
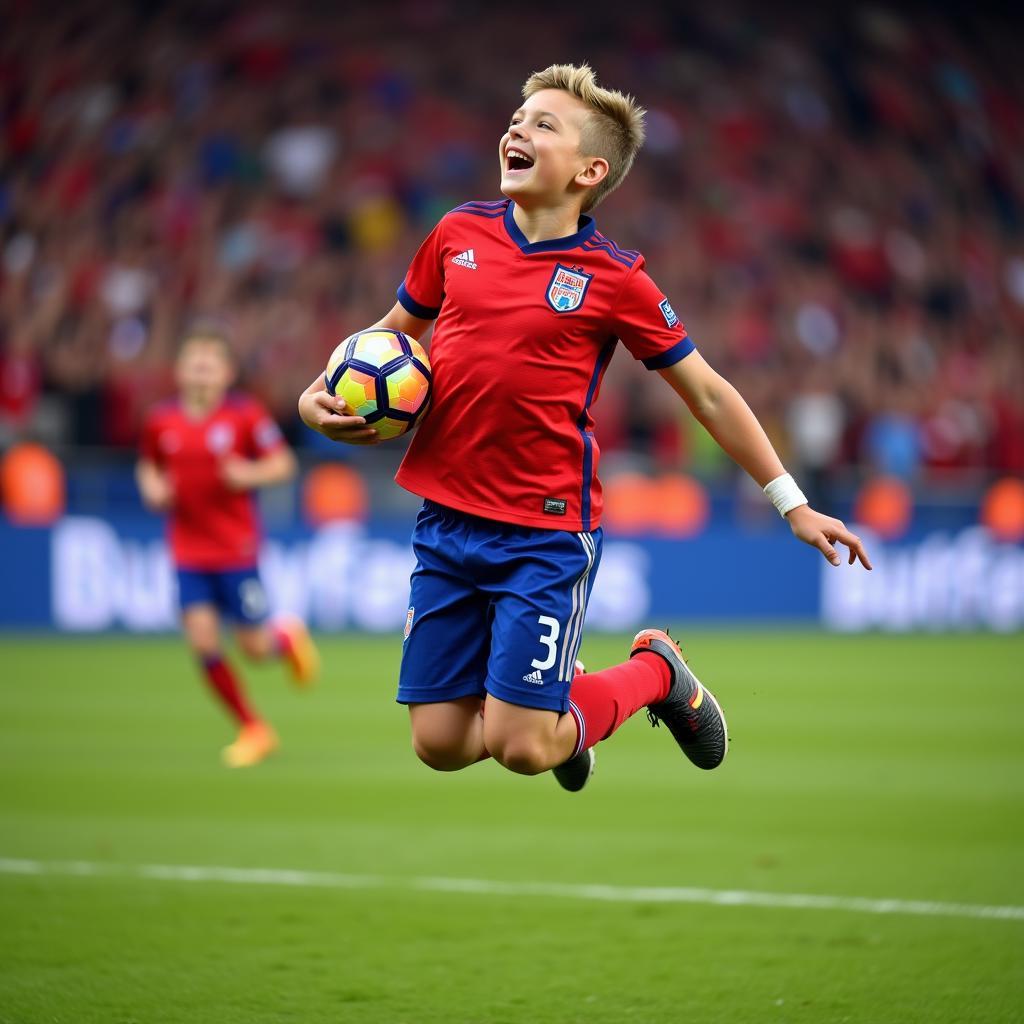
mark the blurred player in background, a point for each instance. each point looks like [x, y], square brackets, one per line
[530, 300]
[203, 454]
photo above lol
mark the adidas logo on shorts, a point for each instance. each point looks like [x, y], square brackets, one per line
[534, 677]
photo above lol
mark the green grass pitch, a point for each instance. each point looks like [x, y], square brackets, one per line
[875, 767]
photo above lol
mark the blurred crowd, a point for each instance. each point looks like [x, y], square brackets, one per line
[832, 199]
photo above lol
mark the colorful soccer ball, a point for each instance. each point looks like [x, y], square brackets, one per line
[384, 376]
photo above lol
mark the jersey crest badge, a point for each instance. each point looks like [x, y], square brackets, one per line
[567, 289]
[220, 438]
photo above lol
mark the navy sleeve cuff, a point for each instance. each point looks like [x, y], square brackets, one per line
[410, 305]
[680, 350]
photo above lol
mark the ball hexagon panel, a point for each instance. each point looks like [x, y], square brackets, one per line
[359, 389]
[377, 347]
[407, 389]
[388, 428]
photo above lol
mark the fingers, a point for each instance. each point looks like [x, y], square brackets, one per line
[822, 532]
[321, 401]
[329, 405]
[842, 535]
[330, 419]
[823, 545]
[355, 433]
[856, 546]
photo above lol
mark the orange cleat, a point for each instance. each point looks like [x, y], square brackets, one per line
[256, 742]
[301, 654]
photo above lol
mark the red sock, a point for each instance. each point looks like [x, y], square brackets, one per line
[601, 701]
[228, 688]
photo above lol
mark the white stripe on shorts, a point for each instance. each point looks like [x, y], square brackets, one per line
[573, 635]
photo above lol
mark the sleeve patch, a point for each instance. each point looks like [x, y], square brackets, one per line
[668, 313]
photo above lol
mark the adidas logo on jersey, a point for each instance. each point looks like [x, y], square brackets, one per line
[466, 259]
[534, 677]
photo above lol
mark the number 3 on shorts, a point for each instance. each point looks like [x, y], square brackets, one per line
[550, 641]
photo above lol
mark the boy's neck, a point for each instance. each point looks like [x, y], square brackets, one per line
[199, 406]
[541, 224]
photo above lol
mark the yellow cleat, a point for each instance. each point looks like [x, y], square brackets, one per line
[302, 656]
[256, 742]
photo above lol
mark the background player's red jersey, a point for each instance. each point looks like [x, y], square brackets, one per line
[524, 334]
[211, 526]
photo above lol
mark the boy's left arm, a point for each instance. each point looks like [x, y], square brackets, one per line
[729, 420]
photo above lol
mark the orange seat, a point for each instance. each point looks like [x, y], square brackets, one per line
[333, 492]
[32, 485]
[629, 499]
[886, 506]
[681, 507]
[1002, 509]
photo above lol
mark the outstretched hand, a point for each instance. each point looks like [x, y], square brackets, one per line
[327, 414]
[822, 532]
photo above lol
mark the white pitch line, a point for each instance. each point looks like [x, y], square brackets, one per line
[484, 887]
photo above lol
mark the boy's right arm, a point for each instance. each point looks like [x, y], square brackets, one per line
[326, 414]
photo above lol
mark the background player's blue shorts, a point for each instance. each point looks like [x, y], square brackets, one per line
[237, 594]
[495, 608]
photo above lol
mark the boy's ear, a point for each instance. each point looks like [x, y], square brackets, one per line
[594, 173]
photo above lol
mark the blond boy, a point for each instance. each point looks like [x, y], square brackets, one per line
[530, 300]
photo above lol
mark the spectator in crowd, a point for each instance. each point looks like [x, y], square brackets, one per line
[832, 200]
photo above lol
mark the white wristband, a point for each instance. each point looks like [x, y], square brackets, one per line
[784, 494]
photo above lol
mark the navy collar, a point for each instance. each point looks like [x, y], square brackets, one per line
[586, 229]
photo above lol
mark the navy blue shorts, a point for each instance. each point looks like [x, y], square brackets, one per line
[495, 608]
[237, 594]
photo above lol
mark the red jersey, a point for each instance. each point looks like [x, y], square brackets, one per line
[523, 336]
[211, 527]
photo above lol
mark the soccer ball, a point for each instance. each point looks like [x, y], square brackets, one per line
[384, 376]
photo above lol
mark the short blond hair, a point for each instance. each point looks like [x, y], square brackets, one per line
[209, 332]
[615, 129]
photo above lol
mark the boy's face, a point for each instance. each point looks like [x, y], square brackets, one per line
[540, 153]
[204, 370]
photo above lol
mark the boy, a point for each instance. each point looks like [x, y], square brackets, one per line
[530, 299]
[202, 455]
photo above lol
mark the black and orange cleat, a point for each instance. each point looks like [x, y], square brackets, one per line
[690, 710]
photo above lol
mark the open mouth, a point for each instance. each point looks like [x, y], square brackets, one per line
[516, 160]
